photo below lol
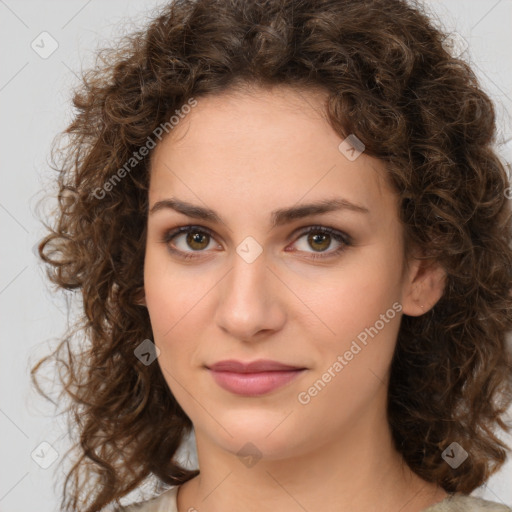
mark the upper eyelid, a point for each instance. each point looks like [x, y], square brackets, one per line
[299, 232]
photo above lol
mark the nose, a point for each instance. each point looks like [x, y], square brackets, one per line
[251, 300]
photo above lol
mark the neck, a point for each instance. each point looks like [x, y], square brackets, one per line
[358, 470]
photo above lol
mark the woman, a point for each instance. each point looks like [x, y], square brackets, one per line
[291, 232]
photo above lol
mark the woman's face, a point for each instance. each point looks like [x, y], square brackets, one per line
[257, 286]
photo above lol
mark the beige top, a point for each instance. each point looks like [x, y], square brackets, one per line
[166, 502]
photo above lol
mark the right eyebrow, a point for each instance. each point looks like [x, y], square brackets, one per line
[278, 217]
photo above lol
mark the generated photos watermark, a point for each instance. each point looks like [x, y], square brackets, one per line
[143, 151]
[305, 397]
[454, 455]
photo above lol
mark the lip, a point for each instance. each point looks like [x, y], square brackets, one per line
[254, 378]
[261, 365]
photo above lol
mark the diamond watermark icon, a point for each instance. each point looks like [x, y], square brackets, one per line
[249, 249]
[351, 147]
[147, 352]
[249, 455]
[455, 455]
[44, 45]
[44, 455]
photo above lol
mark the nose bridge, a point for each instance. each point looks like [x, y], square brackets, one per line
[249, 302]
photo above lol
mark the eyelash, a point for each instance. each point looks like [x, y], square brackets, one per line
[337, 235]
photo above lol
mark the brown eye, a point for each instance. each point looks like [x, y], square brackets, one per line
[197, 240]
[187, 240]
[316, 240]
[319, 241]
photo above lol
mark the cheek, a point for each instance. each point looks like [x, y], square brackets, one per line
[171, 293]
[160, 299]
[163, 302]
[353, 363]
[176, 300]
[342, 303]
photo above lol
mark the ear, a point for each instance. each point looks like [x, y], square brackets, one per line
[423, 286]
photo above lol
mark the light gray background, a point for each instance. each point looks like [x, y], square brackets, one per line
[35, 105]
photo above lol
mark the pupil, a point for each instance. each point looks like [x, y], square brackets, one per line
[322, 237]
[195, 238]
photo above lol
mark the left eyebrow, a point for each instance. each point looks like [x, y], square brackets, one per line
[278, 217]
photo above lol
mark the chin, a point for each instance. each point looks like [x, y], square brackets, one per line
[263, 432]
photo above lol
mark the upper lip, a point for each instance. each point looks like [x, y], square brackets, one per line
[261, 365]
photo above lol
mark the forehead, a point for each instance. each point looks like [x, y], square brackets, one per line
[262, 148]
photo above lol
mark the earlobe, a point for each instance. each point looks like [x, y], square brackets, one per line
[424, 289]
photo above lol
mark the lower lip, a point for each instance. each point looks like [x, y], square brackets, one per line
[254, 384]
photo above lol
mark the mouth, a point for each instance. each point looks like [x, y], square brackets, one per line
[255, 378]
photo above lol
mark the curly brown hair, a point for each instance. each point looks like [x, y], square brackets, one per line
[389, 81]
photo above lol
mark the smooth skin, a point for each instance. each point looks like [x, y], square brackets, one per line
[244, 155]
